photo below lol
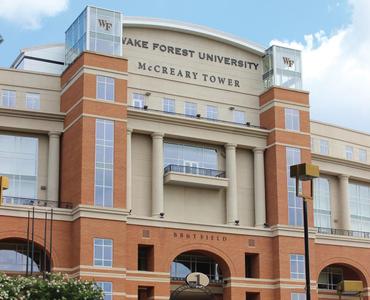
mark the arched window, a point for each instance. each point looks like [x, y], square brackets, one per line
[187, 263]
[321, 203]
[13, 257]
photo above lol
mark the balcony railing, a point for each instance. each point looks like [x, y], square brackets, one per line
[194, 170]
[198, 116]
[211, 280]
[343, 232]
[36, 202]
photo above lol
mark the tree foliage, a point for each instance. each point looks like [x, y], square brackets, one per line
[55, 286]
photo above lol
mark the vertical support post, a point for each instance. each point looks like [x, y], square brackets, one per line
[53, 166]
[44, 266]
[157, 175]
[51, 236]
[33, 241]
[259, 188]
[28, 241]
[231, 192]
[129, 170]
[306, 249]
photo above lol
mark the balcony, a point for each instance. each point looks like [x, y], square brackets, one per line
[10, 200]
[344, 232]
[195, 177]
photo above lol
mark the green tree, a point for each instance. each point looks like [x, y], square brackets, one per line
[55, 287]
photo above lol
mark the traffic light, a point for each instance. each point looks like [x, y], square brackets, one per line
[4, 184]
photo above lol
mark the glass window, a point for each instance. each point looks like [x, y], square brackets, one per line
[33, 101]
[190, 109]
[324, 147]
[8, 98]
[297, 266]
[298, 296]
[321, 204]
[138, 100]
[19, 161]
[107, 288]
[103, 252]
[104, 88]
[190, 157]
[104, 146]
[188, 263]
[329, 278]
[362, 155]
[212, 112]
[359, 200]
[169, 105]
[349, 152]
[292, 119]
[295, 208]
[239, 116]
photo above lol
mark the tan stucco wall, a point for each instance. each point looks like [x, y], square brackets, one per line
[48, 86]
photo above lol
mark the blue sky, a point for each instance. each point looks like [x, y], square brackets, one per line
[333, 35]
[257, 21]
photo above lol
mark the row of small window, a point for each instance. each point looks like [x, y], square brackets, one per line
[8, 99]
[190, 108]
[349, 150]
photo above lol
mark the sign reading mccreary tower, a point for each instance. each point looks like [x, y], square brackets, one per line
[196, 63]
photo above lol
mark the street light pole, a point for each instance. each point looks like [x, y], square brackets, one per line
[305, 172]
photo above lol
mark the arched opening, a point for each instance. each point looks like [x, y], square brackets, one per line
[13, 257]
[331, 275]
[203, 262]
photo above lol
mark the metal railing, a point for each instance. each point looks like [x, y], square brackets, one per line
[194, 170]
[211, 280]
[35, 202]
[197, 116]
[343, 232]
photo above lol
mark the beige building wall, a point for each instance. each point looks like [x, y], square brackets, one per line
[22, 82]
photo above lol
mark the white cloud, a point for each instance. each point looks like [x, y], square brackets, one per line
[336, 71]
[28, 13]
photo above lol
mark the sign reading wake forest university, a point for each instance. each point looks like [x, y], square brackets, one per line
[181, 73]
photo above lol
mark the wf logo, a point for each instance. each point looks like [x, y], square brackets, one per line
[288, 61]
[105, 24]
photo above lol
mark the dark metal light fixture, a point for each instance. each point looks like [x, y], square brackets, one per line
[305, 172]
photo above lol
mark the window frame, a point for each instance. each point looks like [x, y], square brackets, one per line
[105, 82]
[362, 155]
[324, 147]
[169, 105]
[237, 114]
[102, 284]
[212, 112]
[295, 205]
[298, 259]
[102, 259]
[140, 98]
[292, 119]
[11, 98]
[32, 97]
[349, 152]
[190, 109]
[321, 196]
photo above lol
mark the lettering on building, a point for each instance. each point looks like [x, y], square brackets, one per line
[199, 236]
[105, 24]
[192, 54]
[287, 61]
[187, 74]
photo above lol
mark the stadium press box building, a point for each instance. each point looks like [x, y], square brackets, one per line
[163, 149]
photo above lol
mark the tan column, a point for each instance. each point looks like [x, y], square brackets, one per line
[53, 166]
[157, 174]
[231, 192]
[128, 170]
[345, 219]
[259, 188]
